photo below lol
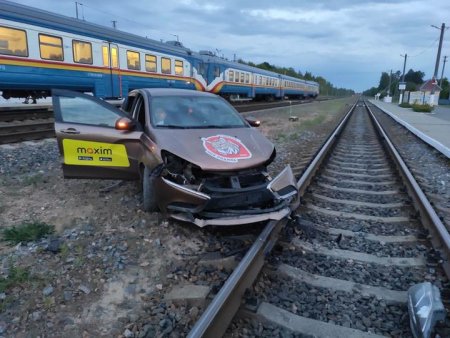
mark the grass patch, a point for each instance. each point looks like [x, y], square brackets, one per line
[64, 251]
[27, 232]
[404, 105]
[15, 276]
[313, 122]
[422, 108]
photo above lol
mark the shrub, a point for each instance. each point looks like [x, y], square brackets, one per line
[26, 232]
[404, 105]
[422, 108]
[15, 276]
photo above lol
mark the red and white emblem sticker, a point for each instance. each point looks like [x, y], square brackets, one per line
[226, 148]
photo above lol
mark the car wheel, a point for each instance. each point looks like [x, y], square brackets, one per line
[148, 191]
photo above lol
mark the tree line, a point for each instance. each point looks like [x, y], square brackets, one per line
[414, 79]
[326, 88]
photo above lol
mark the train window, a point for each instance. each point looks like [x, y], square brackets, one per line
[105, 55]
[13, 42]
[150, 63]
[230, 76]
[82, 52]
[242, 78]
[114, 57]
[260, 80]
[51, 47]
[247, 78]
[178, 67]
[202, 69]
[166, 66]
[236, 79]
[133, 60]
[216, 71]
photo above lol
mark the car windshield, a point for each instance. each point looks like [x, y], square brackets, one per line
[193, 112]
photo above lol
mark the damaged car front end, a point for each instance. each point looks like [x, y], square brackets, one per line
[188, 193]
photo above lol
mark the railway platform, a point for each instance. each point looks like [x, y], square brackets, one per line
[433, 128]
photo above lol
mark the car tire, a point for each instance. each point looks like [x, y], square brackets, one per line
[148, 191]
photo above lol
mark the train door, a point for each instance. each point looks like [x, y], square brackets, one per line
[213, 73]
[253, 78]
[279, 89]
[203, 71]
[111, 60]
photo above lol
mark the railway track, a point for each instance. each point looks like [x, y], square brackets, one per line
[363, 235]
[23, 123]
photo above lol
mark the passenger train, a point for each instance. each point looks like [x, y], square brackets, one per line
[40, 50]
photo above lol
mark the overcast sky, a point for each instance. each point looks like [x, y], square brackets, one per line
[348, 42]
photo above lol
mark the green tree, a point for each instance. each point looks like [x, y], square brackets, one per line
[371, 92]
[384, 82]
[414, 76]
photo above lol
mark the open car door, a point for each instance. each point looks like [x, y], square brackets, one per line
[91, 142]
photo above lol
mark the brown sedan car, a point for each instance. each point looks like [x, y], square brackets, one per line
[197, 158]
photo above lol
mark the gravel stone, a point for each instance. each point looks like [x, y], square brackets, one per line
[48, 290]
[128, 334]
[85, 289]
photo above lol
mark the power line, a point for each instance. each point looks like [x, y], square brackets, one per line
[426, 49]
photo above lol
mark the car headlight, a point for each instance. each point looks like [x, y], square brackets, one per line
[425, 309]
[178, 169]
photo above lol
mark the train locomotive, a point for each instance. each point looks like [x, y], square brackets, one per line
[40, 51]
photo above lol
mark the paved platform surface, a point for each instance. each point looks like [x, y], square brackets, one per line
[433, 128]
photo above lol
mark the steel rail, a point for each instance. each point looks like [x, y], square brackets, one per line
[440, 237]
[314, 165]
[20, 113]
[218, 315]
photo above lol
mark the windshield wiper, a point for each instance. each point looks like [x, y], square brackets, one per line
[172, 126]
[218, 127]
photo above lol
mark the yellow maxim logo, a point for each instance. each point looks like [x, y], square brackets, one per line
[79, 152]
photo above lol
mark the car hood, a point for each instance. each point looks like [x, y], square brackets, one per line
[217, 149]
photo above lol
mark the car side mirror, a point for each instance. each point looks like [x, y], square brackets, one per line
[124, 123]
[252, 121]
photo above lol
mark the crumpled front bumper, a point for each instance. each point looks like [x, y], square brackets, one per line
[179, 202]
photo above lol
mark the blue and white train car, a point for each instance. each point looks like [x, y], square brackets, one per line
[239, 81]
[40, 50]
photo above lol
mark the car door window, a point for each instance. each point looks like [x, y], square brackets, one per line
[85, 111]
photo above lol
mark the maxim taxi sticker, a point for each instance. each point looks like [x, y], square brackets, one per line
[226, 148]
[95, 153]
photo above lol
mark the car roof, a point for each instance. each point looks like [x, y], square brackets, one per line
[174, 92]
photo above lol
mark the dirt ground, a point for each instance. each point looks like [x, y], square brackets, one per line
[113, 263]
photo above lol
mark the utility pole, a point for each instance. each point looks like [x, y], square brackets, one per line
[76, 8]
[402, 85]
[114, 22]
[442, 74]
[438, 59]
